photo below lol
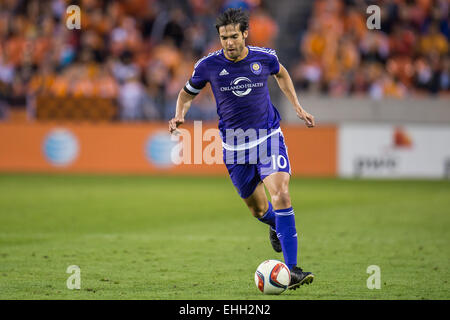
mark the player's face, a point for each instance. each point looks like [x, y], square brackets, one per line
[232, 40]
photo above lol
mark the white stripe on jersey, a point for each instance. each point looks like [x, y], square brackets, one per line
[215, 53]
[262, 48]
[251, 144]
[287, 153]
[265, 50]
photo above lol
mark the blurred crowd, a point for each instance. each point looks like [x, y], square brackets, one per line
[407, 56]
[141, 52]
[138, 52]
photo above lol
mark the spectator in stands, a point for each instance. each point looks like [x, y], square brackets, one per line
[131, 98]
[264, 29]
[433, 42]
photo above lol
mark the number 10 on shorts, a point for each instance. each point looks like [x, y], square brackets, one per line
[278, 161]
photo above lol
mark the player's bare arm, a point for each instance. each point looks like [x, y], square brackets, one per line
[184, 102]
[287, 86]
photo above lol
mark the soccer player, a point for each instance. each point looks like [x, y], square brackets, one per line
[238, 76]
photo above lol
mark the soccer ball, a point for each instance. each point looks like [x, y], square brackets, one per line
[272, 277]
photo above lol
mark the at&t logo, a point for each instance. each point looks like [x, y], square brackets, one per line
[60, 147]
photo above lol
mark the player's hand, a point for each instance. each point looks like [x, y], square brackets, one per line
[174, 123]
[305, 116]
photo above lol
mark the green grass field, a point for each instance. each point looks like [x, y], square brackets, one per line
[193, 238]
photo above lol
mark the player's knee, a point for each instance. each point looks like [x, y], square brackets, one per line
[258, 210]
[281, 199]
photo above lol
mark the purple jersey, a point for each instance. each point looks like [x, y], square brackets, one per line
[240, 88]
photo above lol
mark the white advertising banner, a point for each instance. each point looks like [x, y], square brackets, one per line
[388, 151]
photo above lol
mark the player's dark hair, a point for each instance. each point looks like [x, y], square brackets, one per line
[233, 16]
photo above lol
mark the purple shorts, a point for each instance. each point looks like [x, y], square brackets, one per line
[247, 168]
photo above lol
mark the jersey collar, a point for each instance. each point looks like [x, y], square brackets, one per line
[231, 61]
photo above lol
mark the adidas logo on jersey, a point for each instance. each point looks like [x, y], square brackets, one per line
[223, 73]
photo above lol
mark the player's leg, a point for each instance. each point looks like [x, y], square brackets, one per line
[262, 209]
[274, 170]
[257, 202]
[246, 179]
[278, 186]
